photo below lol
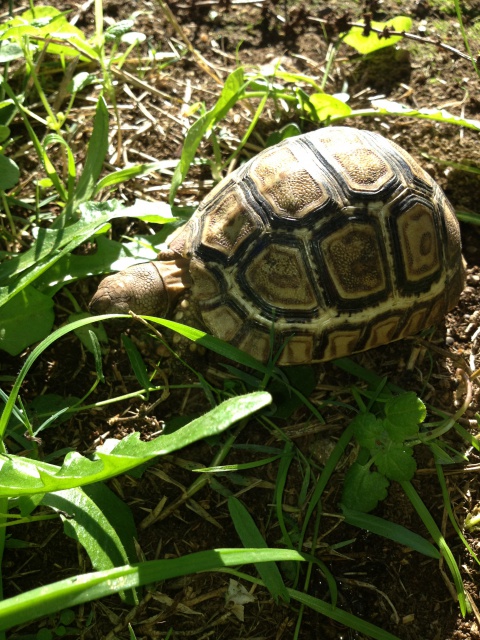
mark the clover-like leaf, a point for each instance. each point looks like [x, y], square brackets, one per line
[403, 414]
[368, 430]
[396, 462]
[363, 489]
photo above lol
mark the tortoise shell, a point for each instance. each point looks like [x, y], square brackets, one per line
[326, 244]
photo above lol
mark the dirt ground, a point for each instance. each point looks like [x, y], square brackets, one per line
[400, 591]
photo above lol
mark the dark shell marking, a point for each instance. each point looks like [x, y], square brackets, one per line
[337, 238]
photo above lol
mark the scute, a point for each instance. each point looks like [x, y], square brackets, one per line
[278, 277]
[327, 244]
[229, 222]
[286, 184]
[418, 242]
[354, 261]
[362, 167]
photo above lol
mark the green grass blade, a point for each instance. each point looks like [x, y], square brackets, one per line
[390, 530]
[343, 617]
[251, 537]
[448, 507]
[68, 593]
[329, 468]
[440, 541]
[96, 153]
[232, 90]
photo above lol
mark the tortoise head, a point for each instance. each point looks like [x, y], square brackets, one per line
[151, 288]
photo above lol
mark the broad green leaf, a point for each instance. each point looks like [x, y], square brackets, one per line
[110, 256]
[9, 173]
[9, 51]
[25, 319]
[368, 430]
[251, 537]
[148, 211]
[81, 81]
[390, 530]
[53, 244]
[367, 44]
[363, 489]
[92, 586]
[97, 519]
[288, 131]
[45, 22]
[403, 414]
[4, 132]
[326, 106]
[21, 476]
[50, 246]
[396, 461]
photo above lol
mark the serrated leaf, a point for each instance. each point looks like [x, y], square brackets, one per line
[373, 41]
[403, 414]
[368, 430]
[363, 489]
[396, 461]
[21, 476]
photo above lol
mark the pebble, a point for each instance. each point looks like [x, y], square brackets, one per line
[473, 279]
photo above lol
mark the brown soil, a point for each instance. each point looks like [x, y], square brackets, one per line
[400, 591]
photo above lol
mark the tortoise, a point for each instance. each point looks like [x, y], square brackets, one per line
[324, 245]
